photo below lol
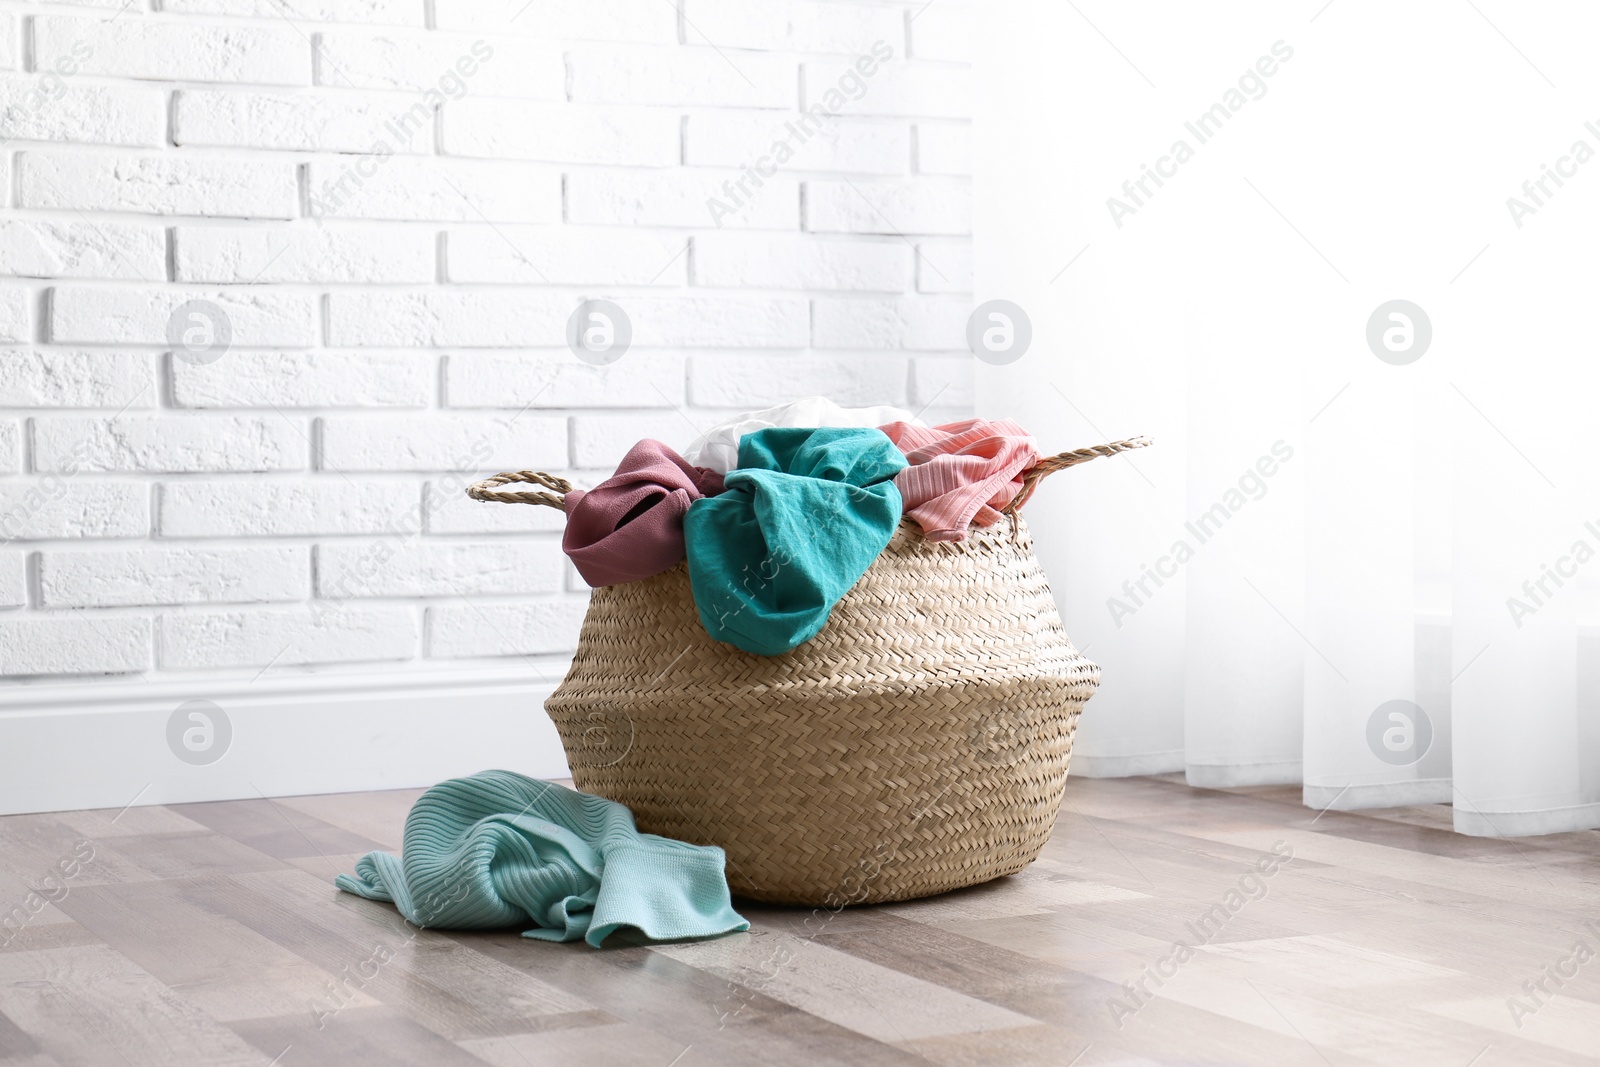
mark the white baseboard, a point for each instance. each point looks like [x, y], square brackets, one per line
[105, 744]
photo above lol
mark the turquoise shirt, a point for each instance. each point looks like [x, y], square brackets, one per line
[500, 849]
[803, 516]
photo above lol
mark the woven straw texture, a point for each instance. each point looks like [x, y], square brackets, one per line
[918, 744]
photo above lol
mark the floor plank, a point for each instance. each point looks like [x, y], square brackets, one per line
[91, 1005]
[212, 933]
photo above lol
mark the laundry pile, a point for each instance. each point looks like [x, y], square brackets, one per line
[780, 511]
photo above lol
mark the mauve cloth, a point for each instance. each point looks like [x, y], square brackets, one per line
[630, 526]
[960, 473]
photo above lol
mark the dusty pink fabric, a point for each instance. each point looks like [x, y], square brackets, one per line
[961, 473]
[630, 526]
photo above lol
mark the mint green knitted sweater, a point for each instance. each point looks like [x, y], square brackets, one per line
[500, 849]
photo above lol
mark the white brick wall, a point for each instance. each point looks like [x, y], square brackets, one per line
[156, 185]
[140, 576]
[396, 206]
[13, 580]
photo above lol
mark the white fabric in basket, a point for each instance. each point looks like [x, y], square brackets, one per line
[718, 447]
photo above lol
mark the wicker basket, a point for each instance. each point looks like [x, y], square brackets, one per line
[917, 744]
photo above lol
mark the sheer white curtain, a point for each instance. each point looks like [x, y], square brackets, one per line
[1344, 564]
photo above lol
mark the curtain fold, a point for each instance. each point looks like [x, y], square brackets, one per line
[1364, 553]
[1526, 552]
[1244, 521]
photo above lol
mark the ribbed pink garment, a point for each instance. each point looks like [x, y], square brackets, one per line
[961, 473]
[630, 526]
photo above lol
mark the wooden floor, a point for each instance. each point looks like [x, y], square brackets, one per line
[211, 934]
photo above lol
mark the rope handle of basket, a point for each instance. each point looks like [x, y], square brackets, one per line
[1060, 462]
[556, 488]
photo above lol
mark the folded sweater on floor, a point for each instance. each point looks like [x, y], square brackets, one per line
[804, 515]
[718, 447]
[960, 473]
[499, 849]
[630, 526]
